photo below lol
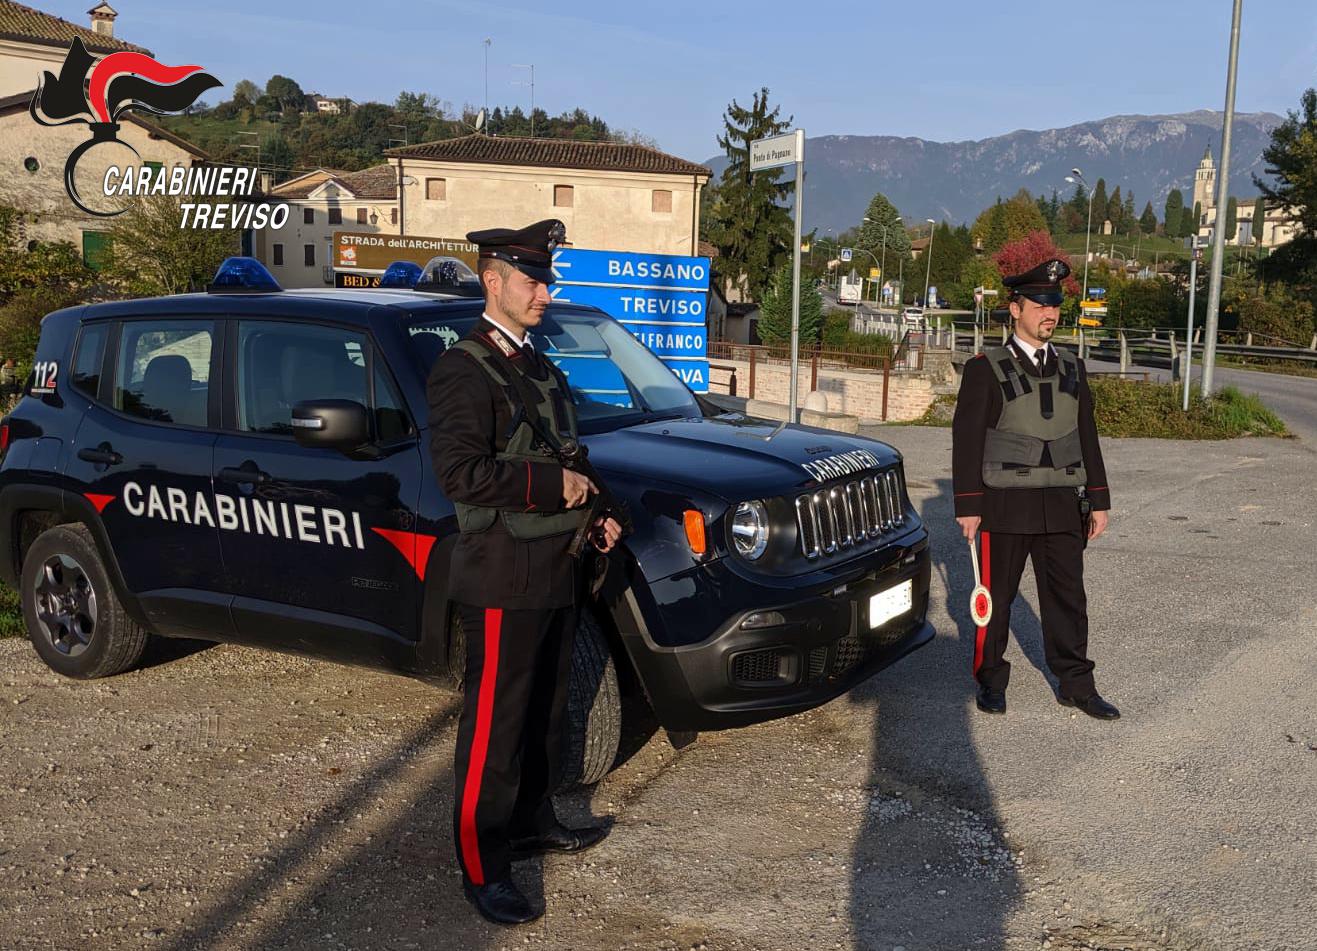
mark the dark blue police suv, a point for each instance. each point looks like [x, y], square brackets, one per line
[184, 467]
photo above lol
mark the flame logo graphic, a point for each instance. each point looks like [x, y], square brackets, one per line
[119, 83]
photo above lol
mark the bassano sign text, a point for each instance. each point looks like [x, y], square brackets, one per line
[661, 298]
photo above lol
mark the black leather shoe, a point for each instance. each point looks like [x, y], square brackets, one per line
[500, 902]
[991, 701]
[558, 839]
[1093, 705]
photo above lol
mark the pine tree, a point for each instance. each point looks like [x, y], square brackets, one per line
[1291, 165]
[1259, 218]
[1116, 211]
[1099, 203]
[775, 310]
[1148, 220]
[882, 215]
[751, 226]
[1127, 213]
[1174, 212]
[1232, 218]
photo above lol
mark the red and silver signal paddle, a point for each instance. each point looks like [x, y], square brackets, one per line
[980, 601]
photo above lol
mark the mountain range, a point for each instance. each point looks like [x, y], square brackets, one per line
[957, 180]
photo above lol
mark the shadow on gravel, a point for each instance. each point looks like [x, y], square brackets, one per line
[167, 650]
[931, 869]
[399, 889]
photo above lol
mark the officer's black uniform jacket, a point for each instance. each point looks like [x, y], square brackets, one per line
[1026, 511]
[470, 421]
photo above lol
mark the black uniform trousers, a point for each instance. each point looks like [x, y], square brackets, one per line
[1058, 566]
[509, 739]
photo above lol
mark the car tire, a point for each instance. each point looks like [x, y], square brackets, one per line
[73, 615]
[594, 708]
[592, 729]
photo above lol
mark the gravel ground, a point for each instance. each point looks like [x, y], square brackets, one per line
[225, 798]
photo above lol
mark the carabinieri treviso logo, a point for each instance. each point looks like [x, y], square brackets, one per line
[124, 82]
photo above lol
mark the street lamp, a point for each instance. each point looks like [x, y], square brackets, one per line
[928, 271]
[882, 268]
[1077, 177]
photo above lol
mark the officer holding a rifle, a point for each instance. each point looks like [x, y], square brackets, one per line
[504, 447]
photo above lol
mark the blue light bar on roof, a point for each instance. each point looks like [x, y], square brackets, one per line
[240, 275]
[401, 274]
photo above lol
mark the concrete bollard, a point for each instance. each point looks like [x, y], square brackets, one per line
[1124, 353]
[1175, 361]
[1248, 339]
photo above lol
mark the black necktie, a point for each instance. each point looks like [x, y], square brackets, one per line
[1042, 361]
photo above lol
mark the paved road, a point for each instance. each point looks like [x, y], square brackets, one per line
[225, 798]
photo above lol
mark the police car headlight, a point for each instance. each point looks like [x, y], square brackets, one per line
[750, 529]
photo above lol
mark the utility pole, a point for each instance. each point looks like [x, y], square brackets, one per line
[487, 42]
[1222, 189]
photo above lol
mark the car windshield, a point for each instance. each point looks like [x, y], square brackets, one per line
[615, 380]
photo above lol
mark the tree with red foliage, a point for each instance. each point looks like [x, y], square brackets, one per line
[1016, 257]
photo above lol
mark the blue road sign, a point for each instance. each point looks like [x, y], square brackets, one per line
[582, 266]
[661, 298]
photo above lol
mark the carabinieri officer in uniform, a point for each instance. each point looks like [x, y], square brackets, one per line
[498, 411]
[1025, 456]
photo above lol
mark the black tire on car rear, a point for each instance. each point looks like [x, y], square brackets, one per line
[73, 616]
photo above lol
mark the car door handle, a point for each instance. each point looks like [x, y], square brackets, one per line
[102, 455]
[246, 474]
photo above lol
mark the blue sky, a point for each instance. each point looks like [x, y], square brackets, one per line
[939, 69]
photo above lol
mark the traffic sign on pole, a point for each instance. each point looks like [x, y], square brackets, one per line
[847, 254]
[774, 152]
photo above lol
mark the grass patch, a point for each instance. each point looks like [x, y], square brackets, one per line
[11, 613]
[1125, 408]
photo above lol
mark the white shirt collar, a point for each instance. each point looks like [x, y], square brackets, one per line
[525, 337]
[1029, 351]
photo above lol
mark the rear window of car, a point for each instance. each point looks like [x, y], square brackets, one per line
[162, 372]
[88, 357]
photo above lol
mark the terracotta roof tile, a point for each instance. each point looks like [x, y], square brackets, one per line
[378, 182]
[551, 153]
[25, 24]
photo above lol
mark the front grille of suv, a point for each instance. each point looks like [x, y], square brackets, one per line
[847, 514]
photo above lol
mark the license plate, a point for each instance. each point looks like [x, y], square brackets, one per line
[891, 603]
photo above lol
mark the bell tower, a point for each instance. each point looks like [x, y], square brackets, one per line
[1205, 182]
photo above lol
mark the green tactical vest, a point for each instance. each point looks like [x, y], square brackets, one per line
[1037, 414]
[524, 445]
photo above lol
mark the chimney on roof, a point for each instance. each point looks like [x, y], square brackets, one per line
[102, 19]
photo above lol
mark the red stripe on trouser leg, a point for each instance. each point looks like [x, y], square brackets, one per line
[480, 747]
[985, 571]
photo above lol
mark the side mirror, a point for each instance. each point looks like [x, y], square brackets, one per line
[331, 424]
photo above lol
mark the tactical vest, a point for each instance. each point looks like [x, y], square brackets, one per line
[553, 414]
[1039, 421]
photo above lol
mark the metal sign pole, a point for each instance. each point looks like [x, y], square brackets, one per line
[1222, 190]
[1189, 329]
[795, 275]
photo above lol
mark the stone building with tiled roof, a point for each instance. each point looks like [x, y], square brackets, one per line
[321, 202]
[611, 196]
[32, 41]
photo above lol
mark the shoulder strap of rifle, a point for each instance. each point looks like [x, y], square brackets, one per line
[525, 393]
